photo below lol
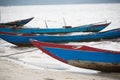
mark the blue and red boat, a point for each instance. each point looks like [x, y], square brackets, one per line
[82, 56]
[23, 40]
[84, 28]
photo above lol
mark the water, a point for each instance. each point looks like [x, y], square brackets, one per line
[74, 15]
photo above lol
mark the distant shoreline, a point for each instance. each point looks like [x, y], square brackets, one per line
[54, 4]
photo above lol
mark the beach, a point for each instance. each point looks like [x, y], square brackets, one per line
[31, 64]
[12, 71]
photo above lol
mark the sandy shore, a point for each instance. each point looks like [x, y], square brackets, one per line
[32, 64]
[12, 71]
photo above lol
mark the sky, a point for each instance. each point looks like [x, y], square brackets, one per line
[47, 2]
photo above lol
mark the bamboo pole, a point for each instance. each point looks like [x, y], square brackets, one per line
[64, 21]
[46, 24]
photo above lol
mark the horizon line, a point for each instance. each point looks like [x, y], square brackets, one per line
[60, 4]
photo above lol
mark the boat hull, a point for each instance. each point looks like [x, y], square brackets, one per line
[73, 47]
[84, 28]
[96, 59]
[25, 40]
[105, 67]
[15, 23]
[102, 61]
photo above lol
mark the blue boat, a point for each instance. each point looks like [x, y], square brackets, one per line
[85, 28]
[16, 23]
[84, 57]
[23, 40]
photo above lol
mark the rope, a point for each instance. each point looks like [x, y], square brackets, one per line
[18, 53]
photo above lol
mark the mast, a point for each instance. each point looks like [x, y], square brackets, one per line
[64, 21]
[0, 15]
[46, 24]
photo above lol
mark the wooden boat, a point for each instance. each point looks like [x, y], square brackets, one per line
[16, 23]
[85, 28]
[22, 40]
[18, 34]
[82, 56]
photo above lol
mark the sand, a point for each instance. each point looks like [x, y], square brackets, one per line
[31, 64]
[12, 71]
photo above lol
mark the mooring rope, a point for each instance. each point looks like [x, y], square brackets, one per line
[18, 53]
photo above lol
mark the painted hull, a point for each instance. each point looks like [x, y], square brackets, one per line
[84, 28]
[73, 47]
[24, 40]
[84, 57]
[16, 23]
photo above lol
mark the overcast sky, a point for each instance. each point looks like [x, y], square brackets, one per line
[46, 2]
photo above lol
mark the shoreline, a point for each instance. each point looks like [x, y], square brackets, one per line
[12, 71]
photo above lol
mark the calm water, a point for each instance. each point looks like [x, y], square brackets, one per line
[74, 14]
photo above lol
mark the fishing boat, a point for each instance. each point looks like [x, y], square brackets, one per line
[82, 56]
[18, 34]
[15, 23]
[21, 40]
[85, 28]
